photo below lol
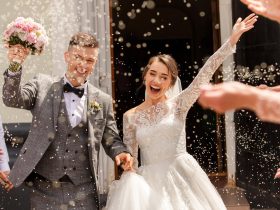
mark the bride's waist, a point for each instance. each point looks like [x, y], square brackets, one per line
[150, 159]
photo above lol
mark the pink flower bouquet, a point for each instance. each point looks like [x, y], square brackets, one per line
[26, 32]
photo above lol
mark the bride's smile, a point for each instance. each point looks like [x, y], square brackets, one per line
[157, 81]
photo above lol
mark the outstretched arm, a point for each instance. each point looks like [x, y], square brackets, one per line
[190, 95]
[234, 95]
[269, 9]
[228, 96]
[112, 143]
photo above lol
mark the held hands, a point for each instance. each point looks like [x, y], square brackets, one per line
[18, 53]
[242, 26]
[125, 160]
[220, 97]
[269, 9]
[4, 181]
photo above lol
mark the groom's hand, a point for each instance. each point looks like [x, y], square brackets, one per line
[18, 53]
[125, 160]
[4, 181]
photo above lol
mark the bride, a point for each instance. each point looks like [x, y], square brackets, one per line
[169, 178]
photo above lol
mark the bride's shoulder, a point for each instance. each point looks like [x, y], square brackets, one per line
[130, 112]
[135, 110]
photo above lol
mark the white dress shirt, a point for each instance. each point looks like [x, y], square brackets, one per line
[75, 105]
[4, 159]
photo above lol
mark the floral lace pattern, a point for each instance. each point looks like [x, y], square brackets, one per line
[169, 115]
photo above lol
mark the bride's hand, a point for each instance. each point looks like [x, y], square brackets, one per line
[125, 160]
[242, 26]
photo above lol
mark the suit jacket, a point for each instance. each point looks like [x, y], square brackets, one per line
[42, 96]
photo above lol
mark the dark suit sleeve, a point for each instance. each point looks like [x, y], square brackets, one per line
[17, 96]
[111, 140]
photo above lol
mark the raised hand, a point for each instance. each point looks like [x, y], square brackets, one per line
[18, 53]
[219, 97]
[266, 8]
[242, 26]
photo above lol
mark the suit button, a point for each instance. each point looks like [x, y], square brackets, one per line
[66, 150]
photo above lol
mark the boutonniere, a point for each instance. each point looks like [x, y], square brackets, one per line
[94, 106]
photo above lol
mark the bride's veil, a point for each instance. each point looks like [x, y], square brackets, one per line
[174, 90]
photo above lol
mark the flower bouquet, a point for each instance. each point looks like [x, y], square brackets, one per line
[26, 32]
[29, 34]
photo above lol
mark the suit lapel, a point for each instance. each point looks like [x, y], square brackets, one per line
[93, 96]
[57, 93]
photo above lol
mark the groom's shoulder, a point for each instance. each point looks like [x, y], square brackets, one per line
[101, 93]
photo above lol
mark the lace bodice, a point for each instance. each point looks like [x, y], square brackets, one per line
[160, 130]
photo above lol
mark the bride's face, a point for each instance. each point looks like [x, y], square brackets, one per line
[157, 81]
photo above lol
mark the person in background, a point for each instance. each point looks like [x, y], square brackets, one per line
[4, 157]
[263, 100]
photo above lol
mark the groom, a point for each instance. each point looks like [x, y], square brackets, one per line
[71, 119]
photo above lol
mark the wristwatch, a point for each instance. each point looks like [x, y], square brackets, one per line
[14, 66]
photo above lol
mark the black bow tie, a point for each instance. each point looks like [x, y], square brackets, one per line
[67, 88]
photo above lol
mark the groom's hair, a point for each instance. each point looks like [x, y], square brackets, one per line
[83, 40]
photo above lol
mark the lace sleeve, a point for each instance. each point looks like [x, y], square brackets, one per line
[189, 95]
[129, 138]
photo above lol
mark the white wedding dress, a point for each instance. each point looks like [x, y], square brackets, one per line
[169, 178]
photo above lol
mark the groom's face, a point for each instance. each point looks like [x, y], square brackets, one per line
[80, 63]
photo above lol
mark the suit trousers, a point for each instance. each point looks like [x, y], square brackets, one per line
[50, 195]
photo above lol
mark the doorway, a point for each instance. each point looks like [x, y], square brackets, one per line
[189, 31]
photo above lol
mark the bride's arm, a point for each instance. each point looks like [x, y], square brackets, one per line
[188, 96]
[129, 138]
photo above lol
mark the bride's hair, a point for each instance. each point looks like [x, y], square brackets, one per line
[168, 61]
